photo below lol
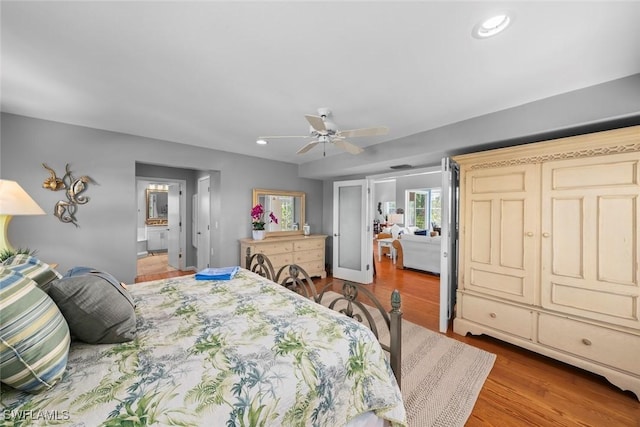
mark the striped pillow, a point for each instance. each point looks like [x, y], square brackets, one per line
[32, 268]
[34, 337]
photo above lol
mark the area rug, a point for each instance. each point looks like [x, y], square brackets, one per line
[441, 377]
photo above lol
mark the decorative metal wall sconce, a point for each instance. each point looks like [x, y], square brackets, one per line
[65, 210]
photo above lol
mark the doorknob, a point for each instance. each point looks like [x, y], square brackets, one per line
[336, 234]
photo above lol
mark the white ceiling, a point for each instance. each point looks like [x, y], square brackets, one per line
[219, 74]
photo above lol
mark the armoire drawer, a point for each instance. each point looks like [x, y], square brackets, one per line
[614, 348]
[497, 315]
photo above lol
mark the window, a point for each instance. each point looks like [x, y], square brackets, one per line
[424, 208]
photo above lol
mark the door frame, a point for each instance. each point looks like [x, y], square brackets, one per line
[448, 265]
[182, 239]
[172, 255]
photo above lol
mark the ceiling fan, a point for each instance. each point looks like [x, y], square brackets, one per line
[323, 130]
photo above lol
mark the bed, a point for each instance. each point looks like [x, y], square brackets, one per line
[239, 352]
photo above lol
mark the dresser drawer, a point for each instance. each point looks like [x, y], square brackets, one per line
[280, 259]
[500, 316]
[304, 256]
[303, 245]
[272, 248]
[617, 349]
[313, 268]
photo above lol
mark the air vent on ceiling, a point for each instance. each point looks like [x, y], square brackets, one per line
[405, 166]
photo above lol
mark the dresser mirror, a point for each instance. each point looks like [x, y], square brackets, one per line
[286, 206]
[157, 206]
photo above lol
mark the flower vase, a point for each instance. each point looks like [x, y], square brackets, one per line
[258, 234]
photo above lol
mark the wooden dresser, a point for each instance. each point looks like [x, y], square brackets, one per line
[306, 251]
[549, 250]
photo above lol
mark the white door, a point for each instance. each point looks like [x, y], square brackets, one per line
[204, 226]
[448, 242]
[352, 233]
[174, 227]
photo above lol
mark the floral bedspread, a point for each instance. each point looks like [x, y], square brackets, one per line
[243, 352]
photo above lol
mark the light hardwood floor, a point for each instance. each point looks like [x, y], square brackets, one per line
[153, 267]
[523, 388]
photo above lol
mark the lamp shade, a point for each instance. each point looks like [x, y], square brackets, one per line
[15, 201]
[396, 218]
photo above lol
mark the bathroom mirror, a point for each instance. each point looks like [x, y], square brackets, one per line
[157, 206]
[286, 206]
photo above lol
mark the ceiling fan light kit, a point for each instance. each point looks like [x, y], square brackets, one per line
[323, 130]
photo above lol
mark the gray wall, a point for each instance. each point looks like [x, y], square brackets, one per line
[106, 236]
[383, 192]
[415, 182]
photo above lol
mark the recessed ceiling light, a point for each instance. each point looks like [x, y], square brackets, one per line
[491, 26]
[262, 142]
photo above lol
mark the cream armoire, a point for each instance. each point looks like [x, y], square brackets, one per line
[550, 247]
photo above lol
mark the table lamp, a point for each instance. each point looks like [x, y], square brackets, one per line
[14, 201]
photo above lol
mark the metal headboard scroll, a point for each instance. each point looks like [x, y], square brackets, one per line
[65, 210]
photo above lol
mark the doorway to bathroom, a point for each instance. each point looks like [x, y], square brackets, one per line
[161, 237]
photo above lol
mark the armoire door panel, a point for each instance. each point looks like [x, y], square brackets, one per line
[499, 182]
[498, 283]
[617, 243]
[577, 300]
[567, 225]
[480, 231]
[512, 233]
[596, 175]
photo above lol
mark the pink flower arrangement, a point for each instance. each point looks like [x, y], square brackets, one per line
[257, 217]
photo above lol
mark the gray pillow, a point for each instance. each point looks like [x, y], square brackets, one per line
[97, 311]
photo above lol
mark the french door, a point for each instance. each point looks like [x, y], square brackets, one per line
[352, 233]
[204, 223]
[448, 241]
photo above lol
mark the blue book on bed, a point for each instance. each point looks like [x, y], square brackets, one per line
[217, 273]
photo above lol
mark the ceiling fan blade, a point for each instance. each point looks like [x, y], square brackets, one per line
[287, 136]
[347, 146]
[383, 130]
[307, 147]
[316, 122]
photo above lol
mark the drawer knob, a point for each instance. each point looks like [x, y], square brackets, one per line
[586, 341]
[492, 315]
[530, 234]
